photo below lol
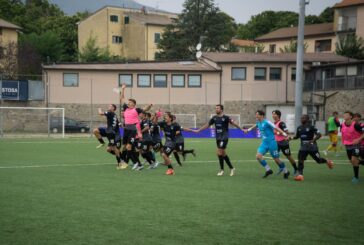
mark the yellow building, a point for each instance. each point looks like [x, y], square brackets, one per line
[8, 35]
[129, 33]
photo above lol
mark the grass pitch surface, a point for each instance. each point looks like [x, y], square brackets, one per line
[64, 191]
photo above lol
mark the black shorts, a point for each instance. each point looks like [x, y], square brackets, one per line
[129, 136]
[145, 145]
[102, 131]
[222, 144]
[157, 145]
[168, 148]
[284, 148]
[362, 152]
[315, 154]
[353, 151]
[180, 147]
[114, 140]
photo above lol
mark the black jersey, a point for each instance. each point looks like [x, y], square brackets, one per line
[179, 137]
[146, 134]
[221, 126]
[112, 121]
[306, 133]
[170, 131]
[155, 132]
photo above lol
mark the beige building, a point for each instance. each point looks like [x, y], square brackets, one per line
[348, 19]
[244, 82]
[8, 35]
[129, 33]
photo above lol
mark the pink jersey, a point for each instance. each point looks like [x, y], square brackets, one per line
[362, 142]
[278, 136]
[131, 116]
[349, 134]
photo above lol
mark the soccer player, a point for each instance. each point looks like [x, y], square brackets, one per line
[352, 133]
[308, 135]
[221, 122]
[112, 133]
[170, 130]
[131, 121]
[180, 147]
[155, 132]
[282, 142]
[357, 118]
[269, 143]
[146, 141]
[333, 124]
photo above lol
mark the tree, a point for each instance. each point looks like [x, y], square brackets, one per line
[351, 46]
[200, 21]
[8, 59]
[91, 53]
[292, 47]
[327, 16]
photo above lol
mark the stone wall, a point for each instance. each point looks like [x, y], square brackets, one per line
[340, 101]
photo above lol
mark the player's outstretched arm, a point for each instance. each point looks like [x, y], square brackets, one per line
[281, 131]
[101, 113]
[249, 129]
[198, 130]
[236, 125]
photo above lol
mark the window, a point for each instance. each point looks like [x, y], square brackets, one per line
[272, 48]
[275, 74]
[194, 81]
[238, 73]
[126, 20]
[352, 70]
[293, 74]
[157, 37]
[117, 39]
[114, 18]
[178, 80]
[340, 71]
[322, 45]
[126, 79]
[70, 80]
[160, 81]
[260, 73]
[144, 80]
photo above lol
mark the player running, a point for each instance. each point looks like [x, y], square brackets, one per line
[221, 123]
[357, 118]
[333, 124]
[282, 142]
[352, 134]
[269, 143]
[308, 135]
[112, 133]
[146, 141]
[170, 130]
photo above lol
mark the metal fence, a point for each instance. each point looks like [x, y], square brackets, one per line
[337, 83]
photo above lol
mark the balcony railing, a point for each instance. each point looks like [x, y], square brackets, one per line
[348, 25]
[337, 83]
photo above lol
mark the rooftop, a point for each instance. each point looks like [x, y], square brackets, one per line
[273, 58]
[291, 32]
[6, 24]
[137, 66]
[348, 3]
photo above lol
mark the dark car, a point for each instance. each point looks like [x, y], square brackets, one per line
[70, 125]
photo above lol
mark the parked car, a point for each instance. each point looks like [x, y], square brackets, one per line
[70, 125]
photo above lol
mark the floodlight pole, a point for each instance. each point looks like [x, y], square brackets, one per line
[299, 63]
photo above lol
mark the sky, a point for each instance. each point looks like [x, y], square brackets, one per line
[242, 10]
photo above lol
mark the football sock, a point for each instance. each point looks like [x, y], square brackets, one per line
[300, 168]
[175, 154]
[221, 161]
[264, 164]
[294, 165]
[227, 160]
[101, 141]
[356, 171]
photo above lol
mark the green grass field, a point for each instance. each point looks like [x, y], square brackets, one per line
[64, 191]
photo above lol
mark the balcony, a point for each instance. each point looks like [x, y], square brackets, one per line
[346, 24]
[337, 83]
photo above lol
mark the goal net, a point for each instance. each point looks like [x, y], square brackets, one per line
[31, 122]
[186, 120]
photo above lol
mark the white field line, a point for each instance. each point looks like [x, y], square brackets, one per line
[101, 164]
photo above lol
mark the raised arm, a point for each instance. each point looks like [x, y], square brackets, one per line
[122, 94]
[101, 113]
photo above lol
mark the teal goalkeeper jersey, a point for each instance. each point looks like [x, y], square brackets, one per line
[266, 129]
